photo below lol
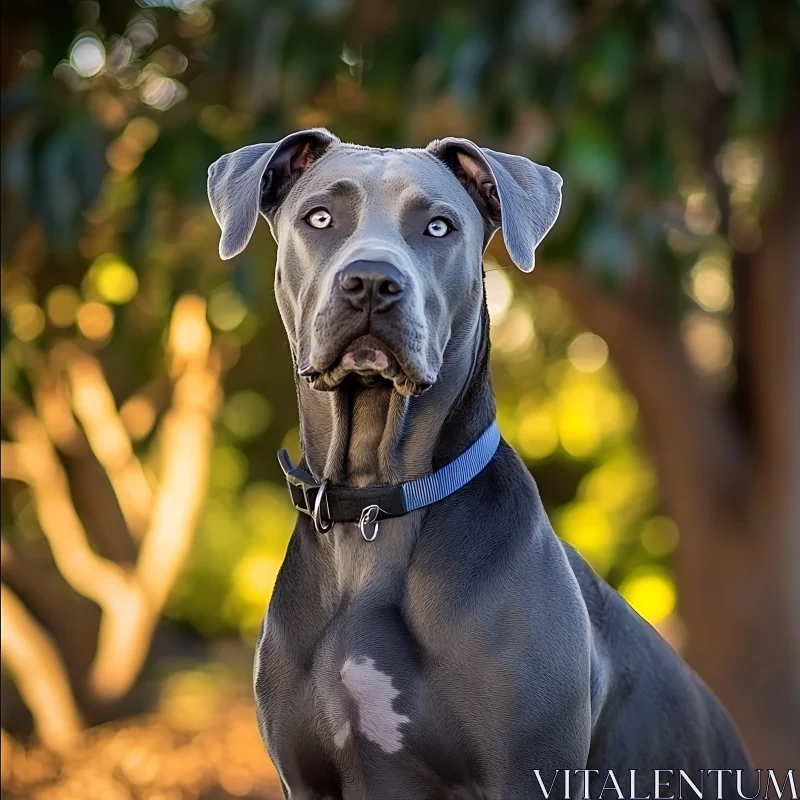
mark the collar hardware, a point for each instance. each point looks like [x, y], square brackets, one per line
[369, 516]
[366, 506]
[303, 489]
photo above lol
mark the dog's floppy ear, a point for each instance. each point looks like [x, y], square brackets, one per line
[511, 193]
[257, 178]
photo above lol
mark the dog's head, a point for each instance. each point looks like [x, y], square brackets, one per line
[379, 250]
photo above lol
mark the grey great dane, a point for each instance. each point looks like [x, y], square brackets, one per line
[453, 646]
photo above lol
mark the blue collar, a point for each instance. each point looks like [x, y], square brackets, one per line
[327, 504]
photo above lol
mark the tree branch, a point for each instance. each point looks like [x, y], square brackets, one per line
[37, 670]
[107, 584]
[90, 483]
[107, 436]
[186, 436]
[130, 603]
[72, 619]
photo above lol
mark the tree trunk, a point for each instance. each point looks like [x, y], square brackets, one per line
[732, 488]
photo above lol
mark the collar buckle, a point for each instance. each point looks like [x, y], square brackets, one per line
[305, 493]
[369, 516]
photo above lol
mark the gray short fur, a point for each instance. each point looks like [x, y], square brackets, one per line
[467, 647]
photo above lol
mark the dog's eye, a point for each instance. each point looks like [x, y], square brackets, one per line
[319, 218]
[438, 227]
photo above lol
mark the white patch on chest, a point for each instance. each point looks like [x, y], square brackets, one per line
[373, 693]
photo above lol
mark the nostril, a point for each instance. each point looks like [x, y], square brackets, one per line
[390, 287]
[376, 284]
[352, 283]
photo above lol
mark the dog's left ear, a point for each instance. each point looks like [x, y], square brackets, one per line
[511, 193]
[257, 178]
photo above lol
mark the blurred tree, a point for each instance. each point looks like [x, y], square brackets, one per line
[674, 124]
[130, 567]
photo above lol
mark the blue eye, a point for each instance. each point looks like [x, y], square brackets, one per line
[319, 218]
[438, 227]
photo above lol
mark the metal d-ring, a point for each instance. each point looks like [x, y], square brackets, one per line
[317, 515]
[369, 516]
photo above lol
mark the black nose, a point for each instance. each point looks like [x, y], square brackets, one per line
[370, 285]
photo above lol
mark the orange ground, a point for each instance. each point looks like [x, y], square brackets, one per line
[187, 752]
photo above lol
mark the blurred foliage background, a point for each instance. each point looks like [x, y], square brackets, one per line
[646, 372]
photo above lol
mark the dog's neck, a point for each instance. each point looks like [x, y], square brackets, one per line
[360, 436]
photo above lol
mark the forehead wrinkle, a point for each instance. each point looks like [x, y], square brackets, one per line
[413, 199]
[337, 188]
[342, 186]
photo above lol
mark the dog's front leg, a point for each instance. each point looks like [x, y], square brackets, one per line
[547, 770]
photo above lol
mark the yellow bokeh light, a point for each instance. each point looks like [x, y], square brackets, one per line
[62, 305]
[113, 280]
[587, 352]
[708, 343]
[125, 153]
[95, 320]
[122, 158]
[702, 215]
[620, 485]
[26, 321]
[141, 132]
[229, 468]
[17, 289]
[588, 528]
[226, 309]
[616, 412]
[255, 578]
[651, 592]
[514, 333]
[246, 414]
[577, 426]
[499, 291]
[291, 441]
[591, 407]
[253, 581]
[537, 435]
[742, 163]
[659, 536]
[711, 284]
[269, 514]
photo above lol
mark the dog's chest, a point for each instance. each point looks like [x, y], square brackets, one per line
[365, 679]
[365, 703]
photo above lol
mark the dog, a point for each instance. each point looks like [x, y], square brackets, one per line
[429, 636]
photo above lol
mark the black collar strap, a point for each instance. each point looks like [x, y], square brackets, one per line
[328, 504]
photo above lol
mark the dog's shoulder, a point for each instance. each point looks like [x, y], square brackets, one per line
[637, 676]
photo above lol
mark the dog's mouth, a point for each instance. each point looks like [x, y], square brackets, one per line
[370, 362]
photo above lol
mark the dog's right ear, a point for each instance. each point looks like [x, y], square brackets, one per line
[511, 192]
[257, 178]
